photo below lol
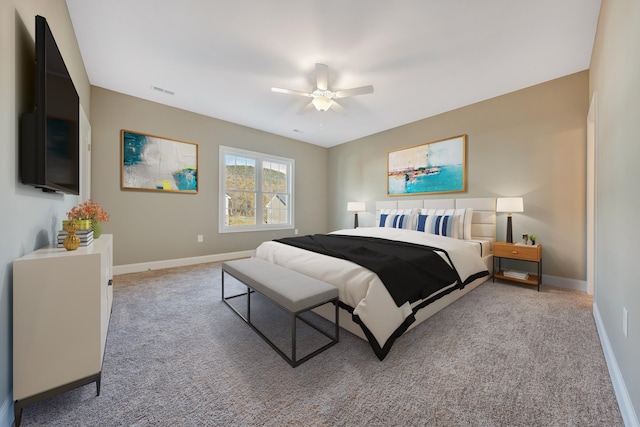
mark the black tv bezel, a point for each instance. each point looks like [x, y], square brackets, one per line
[33, 138]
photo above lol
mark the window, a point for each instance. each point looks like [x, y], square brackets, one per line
[256, 191]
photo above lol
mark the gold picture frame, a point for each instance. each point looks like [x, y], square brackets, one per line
[155, 163]
[433, 168]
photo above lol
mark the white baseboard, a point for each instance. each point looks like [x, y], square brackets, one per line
[6, 411]
[564, 282]
[169, 263]
[622, 394]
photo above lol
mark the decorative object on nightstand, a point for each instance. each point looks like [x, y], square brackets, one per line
[509, 205]
[532, 237]
[356, 207]
[521, 253]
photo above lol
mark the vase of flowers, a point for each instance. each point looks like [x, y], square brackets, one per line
[90, 210]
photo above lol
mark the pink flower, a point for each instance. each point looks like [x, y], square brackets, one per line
[88, 210]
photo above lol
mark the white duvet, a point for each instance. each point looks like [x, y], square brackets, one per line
[359, 287]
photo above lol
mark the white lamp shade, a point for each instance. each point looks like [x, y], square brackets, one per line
[356, 207]
[509, 204]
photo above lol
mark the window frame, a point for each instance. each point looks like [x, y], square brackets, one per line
[259, 158]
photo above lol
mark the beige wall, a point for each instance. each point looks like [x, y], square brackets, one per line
[152, 226]
[29, 218]
[530, 143]
[615, 78]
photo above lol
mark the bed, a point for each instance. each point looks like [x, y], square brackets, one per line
[460, 231]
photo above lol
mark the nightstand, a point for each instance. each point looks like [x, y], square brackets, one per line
[521, 253]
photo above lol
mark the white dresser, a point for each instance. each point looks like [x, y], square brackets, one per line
[61, 308]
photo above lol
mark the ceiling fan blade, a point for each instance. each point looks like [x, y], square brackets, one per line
[306, 108]
[355, 91]
[289, 91]
[322, 76]
[337, 107]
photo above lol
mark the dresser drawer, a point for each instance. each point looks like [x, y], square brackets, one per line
[528, 253]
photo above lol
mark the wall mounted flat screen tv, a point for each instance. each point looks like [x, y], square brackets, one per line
[50, 135]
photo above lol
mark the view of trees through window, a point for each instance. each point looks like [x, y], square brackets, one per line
[255, 195]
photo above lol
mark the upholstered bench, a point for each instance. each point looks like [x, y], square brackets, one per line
[292, 291]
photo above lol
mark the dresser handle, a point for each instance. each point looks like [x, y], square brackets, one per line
[514, 252]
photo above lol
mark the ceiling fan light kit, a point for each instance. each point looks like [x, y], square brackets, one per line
[322, 103]
[323, 97]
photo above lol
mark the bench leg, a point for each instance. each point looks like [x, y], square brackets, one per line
[248, 305]
[334, 339]
[293, 361]
[226, 299]
[293, 340]
[337, 331]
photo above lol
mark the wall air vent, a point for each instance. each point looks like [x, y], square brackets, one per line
[159, 89]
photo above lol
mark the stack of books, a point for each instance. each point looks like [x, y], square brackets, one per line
[523, 275]
[85, 236]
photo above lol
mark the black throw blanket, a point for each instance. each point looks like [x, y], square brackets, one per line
[409, 271]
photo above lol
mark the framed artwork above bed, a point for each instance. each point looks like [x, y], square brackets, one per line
[431, 168]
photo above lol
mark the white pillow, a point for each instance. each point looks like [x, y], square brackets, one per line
[398, 218]
[432, 211]
[468, 217]
[443, 225]
[463, 223]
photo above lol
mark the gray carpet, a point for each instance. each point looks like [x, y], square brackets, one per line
[503, 355]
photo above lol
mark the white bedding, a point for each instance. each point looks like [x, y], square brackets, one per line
[483, 247]
[360, 288]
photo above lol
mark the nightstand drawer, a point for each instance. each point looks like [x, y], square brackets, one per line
[527, 253]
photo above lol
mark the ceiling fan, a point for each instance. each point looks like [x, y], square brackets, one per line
[323, 97]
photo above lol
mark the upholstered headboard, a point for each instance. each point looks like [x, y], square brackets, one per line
[483, 223]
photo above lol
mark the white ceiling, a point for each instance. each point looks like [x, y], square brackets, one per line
[423, 57]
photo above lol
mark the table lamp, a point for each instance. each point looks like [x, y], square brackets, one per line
[509, 205]
[356, 207]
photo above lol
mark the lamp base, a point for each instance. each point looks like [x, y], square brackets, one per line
[355, 220]
[509, 230]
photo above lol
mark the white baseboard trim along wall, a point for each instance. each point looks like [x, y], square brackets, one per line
[629, 415]
[170, 263]
[566, 283]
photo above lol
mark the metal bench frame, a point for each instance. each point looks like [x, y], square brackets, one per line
[293, 361]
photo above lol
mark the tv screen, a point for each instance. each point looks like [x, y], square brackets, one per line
[49, 152]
